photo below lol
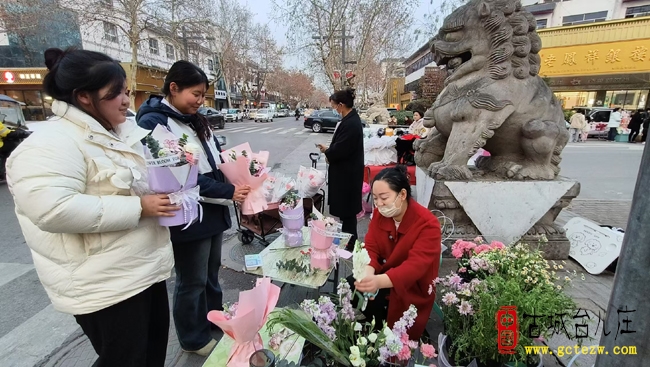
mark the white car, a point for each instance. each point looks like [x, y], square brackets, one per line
[234, 115]
[264, 115]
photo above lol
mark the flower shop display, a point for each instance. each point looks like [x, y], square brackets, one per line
[379, 151]
[309, 181]
[243, 322]
[491, 276]
[172, 169]
[334, 327]
[292, 215]
[323, 231]
[243, 167]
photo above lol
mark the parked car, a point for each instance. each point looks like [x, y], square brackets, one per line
[322, 120]
[597, 117]
[251, 114]
[214, 117]
[264, 115]
[234, 115]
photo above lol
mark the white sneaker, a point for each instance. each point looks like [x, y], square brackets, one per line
[205, 351]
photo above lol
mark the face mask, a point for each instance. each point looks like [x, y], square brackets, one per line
[391, 210]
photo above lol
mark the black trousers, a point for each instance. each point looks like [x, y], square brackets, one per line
[349, 225]
[611, 135]
[633, 134]
[377, 308]
[132, 333]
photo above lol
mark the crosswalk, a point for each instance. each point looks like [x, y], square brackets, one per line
[268, 130]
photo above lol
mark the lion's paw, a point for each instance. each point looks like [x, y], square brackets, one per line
[444, 171]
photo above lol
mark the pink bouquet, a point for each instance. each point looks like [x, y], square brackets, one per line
[172, 169]
[243, 325]
[243, 167]
[323, 232]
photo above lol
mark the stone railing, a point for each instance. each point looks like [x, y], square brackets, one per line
[611, 31]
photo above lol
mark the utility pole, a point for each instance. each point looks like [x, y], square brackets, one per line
[344, 63]
[627, 322]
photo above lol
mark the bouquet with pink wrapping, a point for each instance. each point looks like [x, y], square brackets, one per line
[292, 215]
[323, 231]
[243, 327]
[243, 167]
[172, 169]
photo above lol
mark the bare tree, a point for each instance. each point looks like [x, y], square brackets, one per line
[293, 86]
[266, 53]
[432, 21]
[34, 26]
[136, 21]
[377, 25]
[230, 36]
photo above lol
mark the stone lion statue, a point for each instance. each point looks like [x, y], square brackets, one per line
[377, 111]
[493, 98]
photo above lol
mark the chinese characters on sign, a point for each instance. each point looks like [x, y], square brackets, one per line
[507, 326]
[639, 53]
[570, 59]
[591, 59]
[612, 56]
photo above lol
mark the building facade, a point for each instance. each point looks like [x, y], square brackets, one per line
[156, 53]
[596, 58]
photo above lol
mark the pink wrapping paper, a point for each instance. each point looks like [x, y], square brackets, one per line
[238, 174]
[323, 250]
[252, 312]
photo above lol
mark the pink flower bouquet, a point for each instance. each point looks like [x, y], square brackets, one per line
[172, 169]
[249, 316]
[323, 232]
[243, 167]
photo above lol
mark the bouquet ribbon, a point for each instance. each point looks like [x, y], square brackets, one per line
[187, 199]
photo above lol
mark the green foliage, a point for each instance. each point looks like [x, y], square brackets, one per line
[515, 276]
[302, 324]
[153, 145]
[401, 116]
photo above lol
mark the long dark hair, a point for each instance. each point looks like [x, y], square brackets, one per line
[396, 178]
[186, 75]
[73, 71]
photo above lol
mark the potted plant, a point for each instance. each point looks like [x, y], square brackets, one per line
[491, 278]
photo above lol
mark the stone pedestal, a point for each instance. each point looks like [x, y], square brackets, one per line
[506, 211]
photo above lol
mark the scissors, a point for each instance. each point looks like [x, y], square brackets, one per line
[366, 297]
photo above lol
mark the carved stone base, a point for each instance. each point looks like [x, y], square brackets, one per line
[506, 211]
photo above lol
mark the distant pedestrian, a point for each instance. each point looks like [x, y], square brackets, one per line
[646, 124]
[614, 123]
[82, 201]
[635, 125]
[577, 124]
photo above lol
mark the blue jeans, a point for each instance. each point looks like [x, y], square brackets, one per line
[197, 290]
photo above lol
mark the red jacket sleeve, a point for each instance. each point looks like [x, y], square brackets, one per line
[371, 243]
[424, 253]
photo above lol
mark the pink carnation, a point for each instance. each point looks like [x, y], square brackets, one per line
[462, 270]
[457, 253]
[478, 239]
[404, 354]
[428, 351]
[497, 245]
[482, 248]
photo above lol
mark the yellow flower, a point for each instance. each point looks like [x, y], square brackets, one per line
[559, 287]
[560, 266]
[555, 267]
[567, 279]
[525, 280]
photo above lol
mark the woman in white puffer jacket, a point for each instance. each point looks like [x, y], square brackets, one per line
[81, 194]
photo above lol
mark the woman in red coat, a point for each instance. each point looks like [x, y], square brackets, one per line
[403, 242]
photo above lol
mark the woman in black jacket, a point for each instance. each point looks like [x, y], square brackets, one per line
[345, 157]
[635, 125]
[197, 249]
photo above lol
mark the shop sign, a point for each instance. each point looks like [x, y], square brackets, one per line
[220, 94]
[595, 59]
[632, 80]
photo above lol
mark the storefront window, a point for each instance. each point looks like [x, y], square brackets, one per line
[625, 99]
[35, 108]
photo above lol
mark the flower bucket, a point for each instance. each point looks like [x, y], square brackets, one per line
[443, 361]
[321, 241]
[292, 238]
[293, 219]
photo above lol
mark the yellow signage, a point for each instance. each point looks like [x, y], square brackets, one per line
[593, 59]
